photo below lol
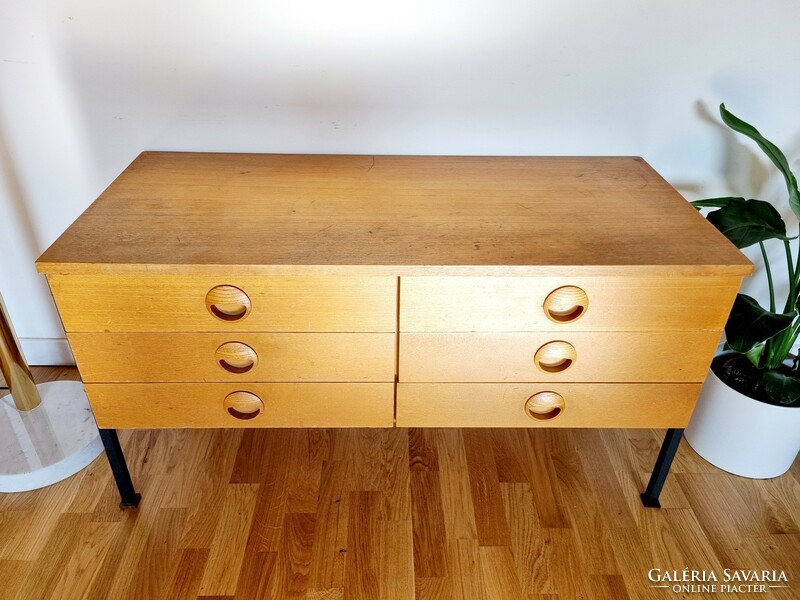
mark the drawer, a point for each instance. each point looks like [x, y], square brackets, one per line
[199, 405]
[502, 304]
[206, 303]
[657, 356]
[607, 405]
[218, 357]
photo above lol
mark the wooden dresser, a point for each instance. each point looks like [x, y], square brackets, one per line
[233, 290]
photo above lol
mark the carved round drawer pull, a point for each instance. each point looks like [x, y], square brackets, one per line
[243, 405]
[566, 304]
[236, 357]
[545, 406]
[228, 303]
[555, 357]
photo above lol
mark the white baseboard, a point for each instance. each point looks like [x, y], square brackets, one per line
[47, 351]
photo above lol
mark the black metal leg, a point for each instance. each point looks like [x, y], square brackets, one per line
[661, 470]
[128, 495]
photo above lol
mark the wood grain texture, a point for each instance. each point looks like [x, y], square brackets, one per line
[151, 405]
[192, 357]
[544, 514]
[505, 304]
[243, 405]
[659, 356]
[165, 303]
[226, 556]
[180, 212]
[184, 251]
[586, 405]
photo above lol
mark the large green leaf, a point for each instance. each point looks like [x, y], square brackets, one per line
[771, 150]
[748, 222]
[754, 354]
[715, 202]
[749, 324]
[780, 387]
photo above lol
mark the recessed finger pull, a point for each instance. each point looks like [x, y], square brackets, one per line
[555, 357]
[545, 406]
[236, 357]
[566, 304]
[228, 303]
[243, 405]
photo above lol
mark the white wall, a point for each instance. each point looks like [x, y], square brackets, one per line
[85, 86]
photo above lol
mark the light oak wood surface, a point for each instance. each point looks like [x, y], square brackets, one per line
[194, 357]
[584, 405]
[393, 514]
[167, 303]
[393, 215]
[194, 272]
[157, 405]
[498, 304]
[625, 356]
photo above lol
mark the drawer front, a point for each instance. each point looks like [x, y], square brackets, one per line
[504, 304]
[604, 405]
[658, 356]
[209, 404]
[219, 357]
[135, 303]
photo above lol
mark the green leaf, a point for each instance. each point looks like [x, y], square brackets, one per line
[749, 324]
[754, 354]
[716, 202]
[749, 222]
[771, 150]
[781, 388]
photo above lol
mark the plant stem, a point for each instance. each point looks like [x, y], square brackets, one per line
[791, 300]
[790, 342]
[797, 267]
[769, 277]
[777, 348]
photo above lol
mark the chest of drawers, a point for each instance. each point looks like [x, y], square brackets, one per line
[224, 290]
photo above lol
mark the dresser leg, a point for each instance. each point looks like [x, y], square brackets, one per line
[129, 497]
[661, 470]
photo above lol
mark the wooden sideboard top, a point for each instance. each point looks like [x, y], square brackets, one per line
[391, 215]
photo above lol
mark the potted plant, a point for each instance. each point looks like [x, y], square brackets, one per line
[747, 419]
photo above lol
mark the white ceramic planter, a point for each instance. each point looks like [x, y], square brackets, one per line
[741, 435]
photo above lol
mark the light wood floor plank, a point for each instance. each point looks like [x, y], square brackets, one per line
[499, 573]
[469, 574]
[81, 568]
[13, 573]
[186, 577]
[289, 579]
[45, 572]
[363, 547]
[487, 500]
[532, 555]
[227, 548]
[396, 568]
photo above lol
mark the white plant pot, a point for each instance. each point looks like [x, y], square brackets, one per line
[741, 435]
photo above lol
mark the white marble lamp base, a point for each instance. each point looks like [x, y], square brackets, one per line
[42, 446]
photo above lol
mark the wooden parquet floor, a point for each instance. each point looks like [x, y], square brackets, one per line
[393, 514]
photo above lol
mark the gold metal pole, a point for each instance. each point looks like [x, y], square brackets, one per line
[12, 364]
